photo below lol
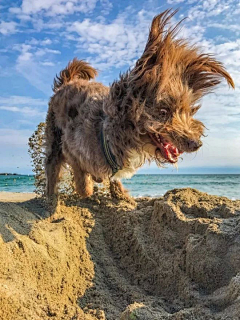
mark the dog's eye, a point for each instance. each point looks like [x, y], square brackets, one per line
[163, 112]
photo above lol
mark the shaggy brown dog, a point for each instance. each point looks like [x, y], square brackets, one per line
[145, 115]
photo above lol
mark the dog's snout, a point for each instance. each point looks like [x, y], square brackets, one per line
[193, 145]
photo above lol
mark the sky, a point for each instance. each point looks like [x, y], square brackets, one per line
[39, 37]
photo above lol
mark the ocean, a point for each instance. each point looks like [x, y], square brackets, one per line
[153, 185]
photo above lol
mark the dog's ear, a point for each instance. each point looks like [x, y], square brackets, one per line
[157, 31]
[205, 72]
[160, 37]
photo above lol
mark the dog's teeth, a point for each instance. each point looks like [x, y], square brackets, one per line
[158, 137]
[170, 157]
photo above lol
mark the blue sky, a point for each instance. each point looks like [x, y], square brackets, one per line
[39, 37]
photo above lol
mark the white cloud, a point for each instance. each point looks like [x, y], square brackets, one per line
[116, 44]
[175, 1]
[26, 111]
[219, 111]
[36, 73]
[54, 7]
[228, 53]
[50, 25]
[41, 52]
[40, 42]
[32, 64]
[47, 63]
[106, 6]
[22, 100]
[212, 8]
[25, 106]
[230, 27]
[8, 27]
[28, 51]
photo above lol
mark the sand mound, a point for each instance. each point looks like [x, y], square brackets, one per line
[177, 257]
[44, 263]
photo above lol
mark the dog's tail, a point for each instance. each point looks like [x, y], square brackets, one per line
[76, 69]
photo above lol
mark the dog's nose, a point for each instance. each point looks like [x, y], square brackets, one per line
[193, 145]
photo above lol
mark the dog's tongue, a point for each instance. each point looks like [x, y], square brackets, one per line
[174, 150]
[170, 152]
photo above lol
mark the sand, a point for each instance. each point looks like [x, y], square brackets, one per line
[16, 196]
[176, 257]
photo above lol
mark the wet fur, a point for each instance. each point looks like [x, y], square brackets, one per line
[170, 75]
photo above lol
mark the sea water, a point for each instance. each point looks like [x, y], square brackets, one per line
[17, 183]
[152, 185]
[227, 185]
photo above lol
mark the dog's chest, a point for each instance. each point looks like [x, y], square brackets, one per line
[135, 162]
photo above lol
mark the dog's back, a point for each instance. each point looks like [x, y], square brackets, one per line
[76, 102]
[74, 91]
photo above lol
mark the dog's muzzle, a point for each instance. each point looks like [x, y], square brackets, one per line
[194, 145]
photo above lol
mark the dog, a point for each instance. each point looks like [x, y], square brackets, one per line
[147, 115]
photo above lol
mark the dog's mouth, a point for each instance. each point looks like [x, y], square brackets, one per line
[168, 150]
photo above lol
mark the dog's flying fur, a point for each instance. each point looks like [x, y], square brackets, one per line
[145, 115]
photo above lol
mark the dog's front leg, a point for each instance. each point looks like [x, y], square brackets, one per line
[83, 182]
[118, 192]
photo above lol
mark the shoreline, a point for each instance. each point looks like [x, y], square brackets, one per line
[142, 185]
[8, 196]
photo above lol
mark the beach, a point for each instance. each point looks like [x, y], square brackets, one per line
[171, 257]
[16, 196]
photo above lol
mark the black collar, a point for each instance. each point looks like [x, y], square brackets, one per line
[111, 159]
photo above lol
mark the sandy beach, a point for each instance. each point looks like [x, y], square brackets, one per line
[176, 257]
[16, 196]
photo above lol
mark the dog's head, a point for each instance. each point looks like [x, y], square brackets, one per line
[169, 79]
[160, 96]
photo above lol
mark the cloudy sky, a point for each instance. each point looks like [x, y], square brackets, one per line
[39, 37]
